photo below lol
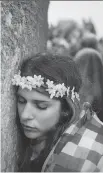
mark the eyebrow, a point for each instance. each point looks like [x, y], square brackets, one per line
[41, 101]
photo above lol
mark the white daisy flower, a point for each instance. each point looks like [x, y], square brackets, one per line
[54, 90]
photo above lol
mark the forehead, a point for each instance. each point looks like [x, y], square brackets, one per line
[33, 94]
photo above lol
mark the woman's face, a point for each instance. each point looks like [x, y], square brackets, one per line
[37, 112]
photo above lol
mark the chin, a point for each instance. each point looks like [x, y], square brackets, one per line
[32, 135]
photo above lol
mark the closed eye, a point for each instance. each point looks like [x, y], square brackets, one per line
[41, 105]
[21, 100]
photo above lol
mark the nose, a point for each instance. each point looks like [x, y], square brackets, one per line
[28, 113]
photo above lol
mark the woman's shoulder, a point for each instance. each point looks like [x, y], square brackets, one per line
[79, 149]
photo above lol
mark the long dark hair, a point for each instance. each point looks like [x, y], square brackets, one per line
[90, 65]
[59, 69]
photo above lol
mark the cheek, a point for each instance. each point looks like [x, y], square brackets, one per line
[49, 119]
[20, 109]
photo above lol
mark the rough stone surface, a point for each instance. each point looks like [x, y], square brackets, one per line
[23, 32]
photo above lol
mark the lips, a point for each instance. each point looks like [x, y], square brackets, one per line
[25, 127]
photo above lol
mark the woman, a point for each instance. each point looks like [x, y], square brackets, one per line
[48, 108]
[90, 65]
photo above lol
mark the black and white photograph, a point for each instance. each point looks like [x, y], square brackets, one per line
[51, 86]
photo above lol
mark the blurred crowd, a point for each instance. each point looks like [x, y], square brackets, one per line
[82, 44]
[69, 37]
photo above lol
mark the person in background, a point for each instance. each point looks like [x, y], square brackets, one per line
[59, 134]
[89, 40]
[90, 65]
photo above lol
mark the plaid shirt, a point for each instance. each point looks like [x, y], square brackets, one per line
[80, 148]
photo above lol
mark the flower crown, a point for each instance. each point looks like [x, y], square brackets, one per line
[58, 90]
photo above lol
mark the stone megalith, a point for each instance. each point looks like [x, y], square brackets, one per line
[24, 31]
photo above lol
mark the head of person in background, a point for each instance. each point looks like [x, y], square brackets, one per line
[47, 101]
[90, 65]
[89, 40]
